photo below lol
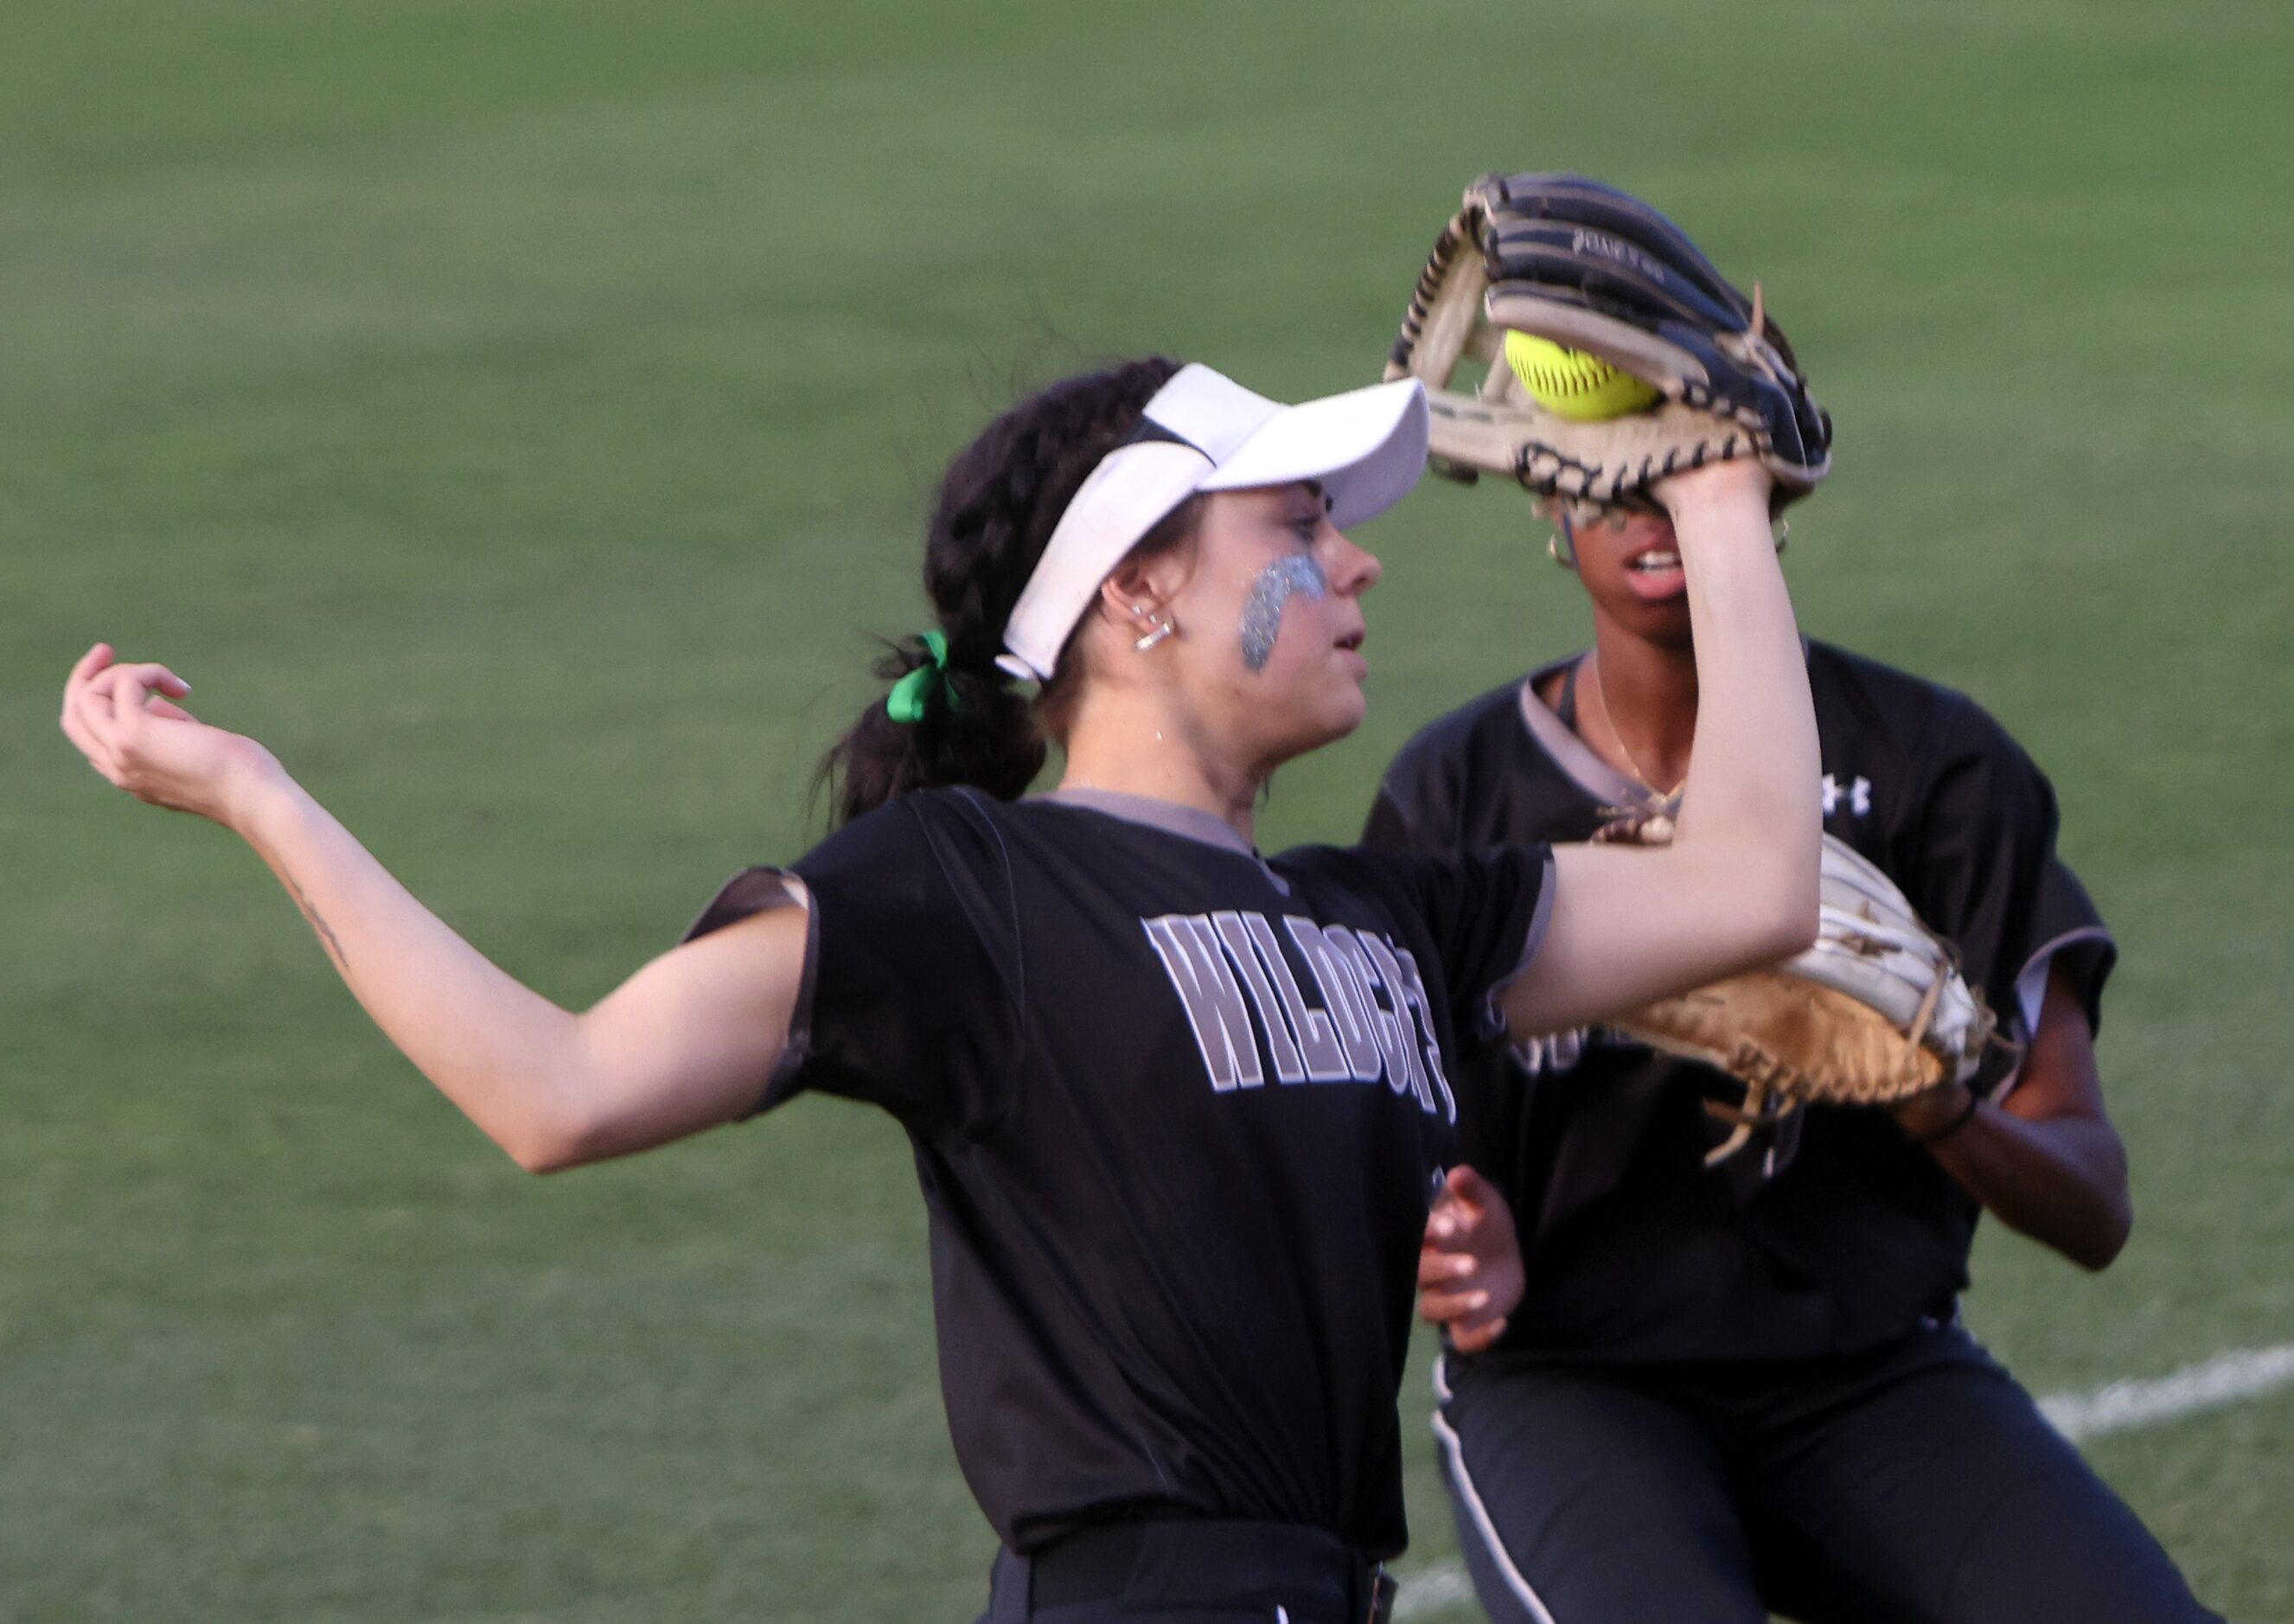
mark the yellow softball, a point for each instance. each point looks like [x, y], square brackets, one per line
[1571, 384]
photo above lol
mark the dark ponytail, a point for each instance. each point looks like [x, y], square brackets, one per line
[998, 503]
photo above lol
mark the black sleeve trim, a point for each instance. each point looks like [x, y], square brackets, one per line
[750, 893]
[1492, 1020]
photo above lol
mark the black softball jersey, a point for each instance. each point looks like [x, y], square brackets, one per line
[1178, 1113]
[1832, 1232]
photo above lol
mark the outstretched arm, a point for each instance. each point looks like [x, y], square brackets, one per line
[684, 1044]
[1737, 886]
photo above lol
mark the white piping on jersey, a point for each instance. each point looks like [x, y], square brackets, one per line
[2031, 994]
[1572, 753]
[1575, 756]
[1454, 1449]
[2031, 981]
[1168, 817]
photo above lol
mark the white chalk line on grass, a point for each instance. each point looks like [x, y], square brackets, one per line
[1436, 1586]
[2121, 1407]
[2115, 1406]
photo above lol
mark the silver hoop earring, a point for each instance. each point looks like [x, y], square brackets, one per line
[1561, 546]
[1162, 629]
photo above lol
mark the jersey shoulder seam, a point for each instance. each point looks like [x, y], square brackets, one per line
[972, 804]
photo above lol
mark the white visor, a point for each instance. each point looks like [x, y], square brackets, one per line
[1205, 432]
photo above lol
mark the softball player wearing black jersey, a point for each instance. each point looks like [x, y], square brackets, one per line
[1731, 1390]
[1177, 1109]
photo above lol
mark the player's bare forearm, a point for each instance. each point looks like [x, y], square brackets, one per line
[1737, 886]
[502, 1052]
[1748, 816]
[683, 1045]
[2060, 1181]
[2046, 1162]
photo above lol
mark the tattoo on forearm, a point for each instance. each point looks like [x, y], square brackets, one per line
[333, 944]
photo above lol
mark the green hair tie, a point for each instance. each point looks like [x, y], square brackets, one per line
[906, 702]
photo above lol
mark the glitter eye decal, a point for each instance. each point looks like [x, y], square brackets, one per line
[1261, 611]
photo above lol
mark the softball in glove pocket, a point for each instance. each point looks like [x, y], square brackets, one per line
[1594, 269]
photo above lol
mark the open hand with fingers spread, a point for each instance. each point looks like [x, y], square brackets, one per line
[1470, 1270]
[124, 718]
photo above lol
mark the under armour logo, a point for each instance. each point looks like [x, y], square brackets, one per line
[1858, 795]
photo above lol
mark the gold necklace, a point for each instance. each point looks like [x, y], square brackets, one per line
[1601, 699]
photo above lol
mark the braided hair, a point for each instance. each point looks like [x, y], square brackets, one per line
[999, 502]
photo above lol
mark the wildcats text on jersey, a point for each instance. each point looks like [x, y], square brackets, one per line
[1250, 1017]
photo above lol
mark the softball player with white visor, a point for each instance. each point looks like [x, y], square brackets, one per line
[1178, 1108]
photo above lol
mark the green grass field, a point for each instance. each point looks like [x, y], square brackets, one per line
[515, 412]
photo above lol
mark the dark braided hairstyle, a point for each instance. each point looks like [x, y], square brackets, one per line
[999, 502]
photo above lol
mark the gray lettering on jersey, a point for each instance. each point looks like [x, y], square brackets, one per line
[1348, 1001]
[1235, 937]
[1317, 1035]
[1397, 992]
[1190, 951]
[1236, 983]
[1558, 1051]
[1390, 1024]
[1414, 986]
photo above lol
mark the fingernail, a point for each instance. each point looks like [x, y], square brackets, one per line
[1477, 1300]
